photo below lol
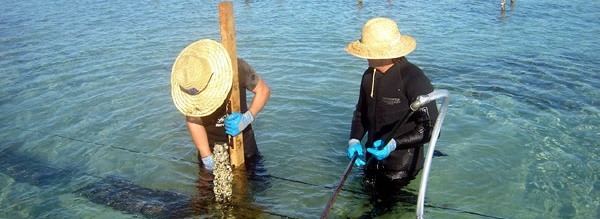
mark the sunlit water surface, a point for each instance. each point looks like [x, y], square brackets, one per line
[85, 88]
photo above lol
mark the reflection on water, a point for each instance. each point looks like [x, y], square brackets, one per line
[124, 195]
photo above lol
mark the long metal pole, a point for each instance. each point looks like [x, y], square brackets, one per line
[436, 133]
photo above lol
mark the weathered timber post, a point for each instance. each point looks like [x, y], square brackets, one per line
[227, 24]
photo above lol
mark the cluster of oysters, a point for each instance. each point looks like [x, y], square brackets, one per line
[223, 173]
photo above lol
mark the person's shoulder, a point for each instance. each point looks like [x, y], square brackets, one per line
[414, 70]
[411, 66]
[244, 67]
[242, 62]
[414, 77]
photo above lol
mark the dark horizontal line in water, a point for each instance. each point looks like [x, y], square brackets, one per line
[112, 191]
[140, 209]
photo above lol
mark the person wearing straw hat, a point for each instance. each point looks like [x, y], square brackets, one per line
[201, 80]
[389, 85]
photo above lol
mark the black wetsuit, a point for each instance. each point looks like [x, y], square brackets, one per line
[214, 123]
[381, 106]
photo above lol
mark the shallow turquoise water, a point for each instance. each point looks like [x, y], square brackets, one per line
[85, 86]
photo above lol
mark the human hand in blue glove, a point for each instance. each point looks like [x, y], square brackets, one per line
[237, 122]
[209, 163]
[354, 147]
[384, 152]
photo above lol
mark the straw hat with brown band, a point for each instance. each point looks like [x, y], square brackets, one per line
[381, 39]
[201, 78]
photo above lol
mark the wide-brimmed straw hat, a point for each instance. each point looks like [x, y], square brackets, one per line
[381, 39]
[201, 78]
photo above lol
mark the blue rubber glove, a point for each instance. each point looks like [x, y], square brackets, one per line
[354, 146]
[209, 163]
[384, 152]
[237, 122]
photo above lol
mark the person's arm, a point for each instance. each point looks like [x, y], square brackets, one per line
[262, 93]
[422, 131]
[199, 137]
[418, 84]
[357, 127]
[236, 122]
[357, 130]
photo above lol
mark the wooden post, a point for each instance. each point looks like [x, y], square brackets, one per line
[227, 23]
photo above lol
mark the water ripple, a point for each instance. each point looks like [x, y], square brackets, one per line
[86, 84]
